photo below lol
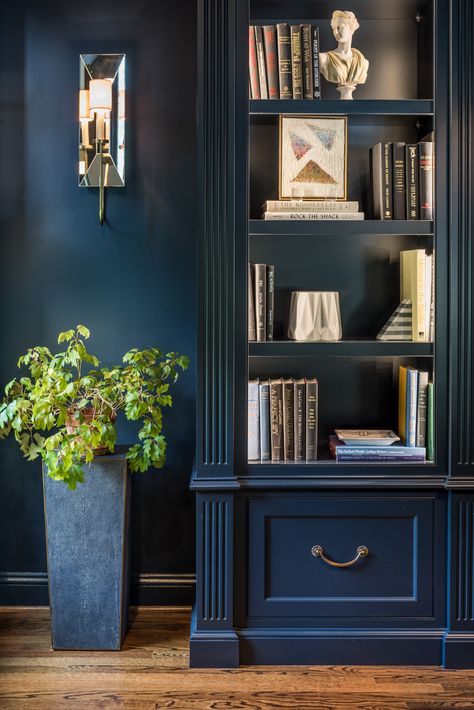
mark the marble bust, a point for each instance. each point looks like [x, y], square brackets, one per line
[345, 65]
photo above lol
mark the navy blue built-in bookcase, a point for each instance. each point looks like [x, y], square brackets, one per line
[263, 596]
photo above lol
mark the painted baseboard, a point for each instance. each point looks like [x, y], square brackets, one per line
[150, 589]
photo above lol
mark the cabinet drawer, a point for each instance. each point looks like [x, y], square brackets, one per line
[396, 579]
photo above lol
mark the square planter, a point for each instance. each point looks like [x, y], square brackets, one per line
[87, 552]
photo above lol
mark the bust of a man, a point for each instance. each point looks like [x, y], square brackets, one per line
[345, 65]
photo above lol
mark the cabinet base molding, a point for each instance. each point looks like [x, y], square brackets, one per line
[459, 650]
[341, 648]
[213, 649]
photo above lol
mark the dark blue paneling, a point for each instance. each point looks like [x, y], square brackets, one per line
[131, 281]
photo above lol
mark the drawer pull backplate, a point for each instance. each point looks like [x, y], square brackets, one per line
[318, 551]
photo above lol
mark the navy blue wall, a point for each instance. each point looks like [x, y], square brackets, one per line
[131, 281]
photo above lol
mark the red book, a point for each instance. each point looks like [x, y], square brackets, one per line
[253, 68]
[271, 58]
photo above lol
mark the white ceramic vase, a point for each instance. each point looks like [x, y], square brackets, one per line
[315, 315]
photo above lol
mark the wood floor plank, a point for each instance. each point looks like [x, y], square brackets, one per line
[152, 672]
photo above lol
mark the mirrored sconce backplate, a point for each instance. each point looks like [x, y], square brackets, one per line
[102, 120]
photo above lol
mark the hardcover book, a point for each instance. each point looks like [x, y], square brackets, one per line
[413, 287]
[425, 179]
[264, 400]
[307, 61]
[311, 420]
[315, 216]
[284, 61]
[262, 70]
[396, 453]
[387, 180]
[288, 420]
[310, 206]
[300, 419]
[296, 67]
[253, 422]
[430, 441]
[399, 181]
[251, 304]
[253, 66]
[421, 408]
[270, 301]
[276, 419]
[261, 300]
[316, 70]
[411, 400]
[411, 165]
[271, 60]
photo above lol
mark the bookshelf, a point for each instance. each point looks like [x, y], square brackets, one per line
[254, 519]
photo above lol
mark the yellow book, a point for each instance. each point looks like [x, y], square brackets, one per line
[413, 286]
[402, 403]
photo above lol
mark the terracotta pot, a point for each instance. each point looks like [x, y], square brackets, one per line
[87, 415]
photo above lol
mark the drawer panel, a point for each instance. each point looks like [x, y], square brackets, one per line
[396, 579]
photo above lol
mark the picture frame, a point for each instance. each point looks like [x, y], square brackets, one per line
[312, 157]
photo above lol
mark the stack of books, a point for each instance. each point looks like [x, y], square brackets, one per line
[416, 409]
[352, 445]
[312, 210]
[283, 420]
[284, 62]
[402, 178]
[260, 300]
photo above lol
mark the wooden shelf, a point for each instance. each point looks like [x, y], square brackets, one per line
[341, 348]
[376, 108]
[336, 228]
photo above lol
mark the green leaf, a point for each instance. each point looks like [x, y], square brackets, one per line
[82, 330]
[66, 336]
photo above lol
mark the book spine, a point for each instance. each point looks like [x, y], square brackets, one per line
[399, 181]
[299, 425]
[315, 56]
[432, 300]
[288, 420]
[270, 301]
[262, 71]
[251, 304]
[296, 72]
[284, 61]
[315, 216]
[307, 61]
[421, 408]
[425, 179]
[430, 422]
[342, 456]
[276, 419]
[264, 400]
[311, 420]
[421, 333]
[310, 206]
[387, 181]
[253, 65]
[402, 402]
[253, 422]
[412, 398]
[271, 60]
[260, 300]
[412, 181]
[376, 180]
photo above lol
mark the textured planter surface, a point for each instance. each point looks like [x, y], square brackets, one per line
[86, 537]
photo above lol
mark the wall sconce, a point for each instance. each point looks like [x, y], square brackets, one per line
[102, 123]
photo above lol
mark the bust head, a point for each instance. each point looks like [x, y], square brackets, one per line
[344, 23]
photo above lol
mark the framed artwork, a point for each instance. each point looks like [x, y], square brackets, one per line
[313, 157]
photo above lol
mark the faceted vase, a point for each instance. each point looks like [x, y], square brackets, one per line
[315, 315]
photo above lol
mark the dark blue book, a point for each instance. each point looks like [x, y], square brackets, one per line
[396, 452]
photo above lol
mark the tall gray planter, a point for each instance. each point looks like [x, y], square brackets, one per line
[87, 550]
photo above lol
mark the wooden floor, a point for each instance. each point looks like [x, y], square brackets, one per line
[152, 671]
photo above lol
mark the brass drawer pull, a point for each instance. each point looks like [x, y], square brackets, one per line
[362, 551]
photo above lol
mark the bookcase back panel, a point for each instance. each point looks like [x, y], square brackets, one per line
[353, 393]
[364, 9]
[364, 270]
[264, 156]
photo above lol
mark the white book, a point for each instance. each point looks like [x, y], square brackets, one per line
[428, 294]
[310, 206]
[335, 216]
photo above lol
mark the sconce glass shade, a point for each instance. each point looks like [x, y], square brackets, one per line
[100, 100]
[84, 107]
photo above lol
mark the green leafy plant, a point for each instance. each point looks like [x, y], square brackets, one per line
[64, 411]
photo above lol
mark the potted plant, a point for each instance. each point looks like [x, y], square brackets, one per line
[64, 412]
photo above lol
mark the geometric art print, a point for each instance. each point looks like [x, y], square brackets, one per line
[313, 161]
